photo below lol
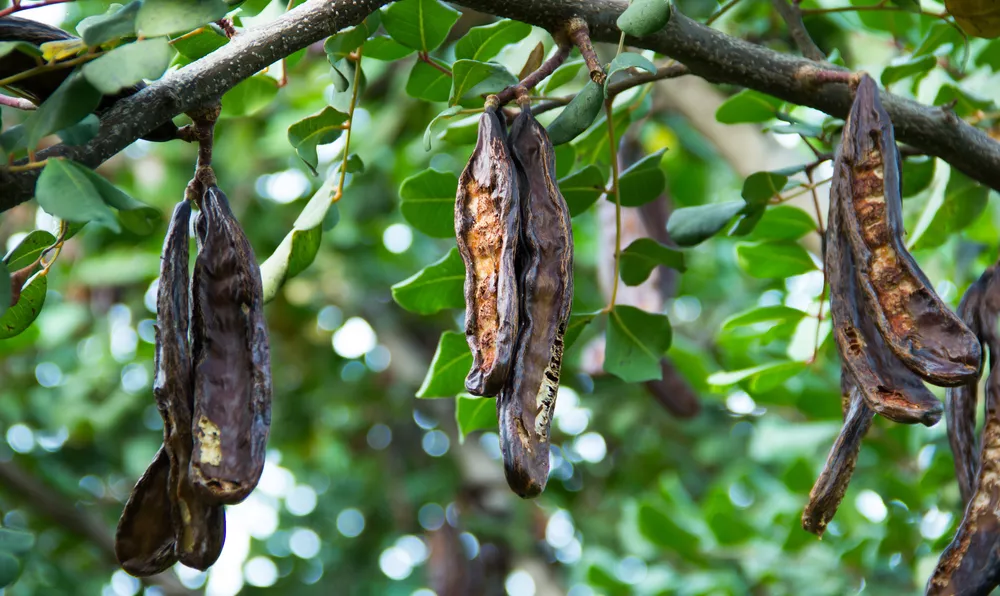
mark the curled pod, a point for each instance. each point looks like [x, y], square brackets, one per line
[828, 492]
[486, 227]
[917, 326]
[144, 540]
[199, 526]
[231, 358]
[528, 399]
[890, 389]
[960, 402]
[970, 565]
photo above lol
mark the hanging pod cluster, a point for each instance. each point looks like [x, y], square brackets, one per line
[892, 330]
[515, 237]
[212, 388]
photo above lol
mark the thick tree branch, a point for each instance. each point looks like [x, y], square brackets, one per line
[709, 54]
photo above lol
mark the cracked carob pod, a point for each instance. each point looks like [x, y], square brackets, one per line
[545, 275]
[889, 388]
[917, 326]
[232, 368]
[144, 540]
[487, 227]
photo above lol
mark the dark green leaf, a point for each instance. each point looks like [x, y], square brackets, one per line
[16, 541]
[166, 17]
[474, 413]
[199, 45]
[24, 47]
[578, 115]
[760, 187]
[914, 66]
[908, 5]
[562, 75]
[20, 316]
[129, 64]
[451, 364]
[657, 527]
[748, 106]
[10, 569]
[5, 289]
[385, 48]
[339, 46]
[625, 61]
[429, 83]
[448, 112]
[918, 173]
[485, 42]
[249, 97]
[65, 191]
[644, 255]
[114, 24]
[73, 101]
[419, 24]
[81, 132]
[582, 188]
[577, 323]
[774, 259]
[135, 216]
[318, 129]
[565, 158]
[643, 181]
[644, 17]
[783, 222]
[471, 78]
[436, 287]
[689, 226]
[29, 249]
[427, 201]
[636, 340]
[764, 314]
[964, 103]
[964, 200]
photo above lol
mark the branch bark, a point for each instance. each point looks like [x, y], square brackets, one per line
[709, 54]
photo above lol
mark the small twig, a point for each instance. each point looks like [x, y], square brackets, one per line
[580, 34]
[339, 191]
[670, 71]
[718, 14]
[48, 68]
[613, 148]
[792, 16]
[543, 71]
[16, 103]
[16, 6]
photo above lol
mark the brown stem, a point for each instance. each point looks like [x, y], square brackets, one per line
[579, 32]
[670, 71]
[545, 70]
[792, 16]
[425, 57]
[16, 6]
[16, 103]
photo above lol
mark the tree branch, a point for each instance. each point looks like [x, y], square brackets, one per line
[797, 29]
[709, 54]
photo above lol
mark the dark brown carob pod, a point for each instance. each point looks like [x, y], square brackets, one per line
[890, 389]
[917, 326]
[486, 228]
[144, 540]
[545, 268]
[830, 487]
[232, 369]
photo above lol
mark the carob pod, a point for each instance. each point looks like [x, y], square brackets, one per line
[144, 540]
[545, 266]
[487, 223]
[232, 369]
[829, 489]
[889, 388]
[960, 402]
[200, 527]
[917, 326]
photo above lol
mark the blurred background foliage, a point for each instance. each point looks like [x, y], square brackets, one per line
[368, 490]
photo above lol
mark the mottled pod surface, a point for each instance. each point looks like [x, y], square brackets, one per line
[232, 370]
[890, 389]
[487, 228]
[917, 326]
[828, 492]
[144, 540]
[528, 399]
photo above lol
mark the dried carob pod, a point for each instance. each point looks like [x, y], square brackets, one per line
[545, 278]
[144, 540]
[828, 492]
[890, 389]
[232, 369]
[917, 326]
[487, 221]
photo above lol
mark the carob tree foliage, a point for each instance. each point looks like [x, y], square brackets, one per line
[543, 143]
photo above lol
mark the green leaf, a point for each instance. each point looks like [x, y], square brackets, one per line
[625, 61]
[116, 267]
[760, 187]
[748, 106]
[29, 249]
[451, 364]
[81, 132]
[907, 5]
[644, 17]
[429, 83]
[199, 45]
[340, 82]
[656, 526]
[6, 47]
[436, 287]
[5, 289]
[299, 247]
[10, 569]
[642, 182]
[964, 200]
[427, 201]
[562, 75]
[471, 78]
[419, 24]
[758, 379]
[577, 323]
[73, 101]
[448, 112]
[385, 48]
[919, 65]
[474, 413]
[918, 173]
[166, 17]
[341, 44]
[318, 129]
[113, 24]
[485, 42]
[689, 226]
[578, 115]
[129, 64]
[965, 104]
[65, 191]
[16, 541]
[764, 314]
[249, 97]
[644, 255]
[783, 222]
[565, 158]
[582, 188]
[135, 216]
[774, 259]
[636, 340]
[20, 316]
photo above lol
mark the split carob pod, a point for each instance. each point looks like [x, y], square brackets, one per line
[144, 540]
[199, 526]
[545, 276]
[890, 389]
[917, 326]
[487, 224]
[231, 358]
[828, 492]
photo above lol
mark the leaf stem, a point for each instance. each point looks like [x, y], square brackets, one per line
[339, 191]
[613, 149]
[425, 57]
[718, 14]
[16, 6]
